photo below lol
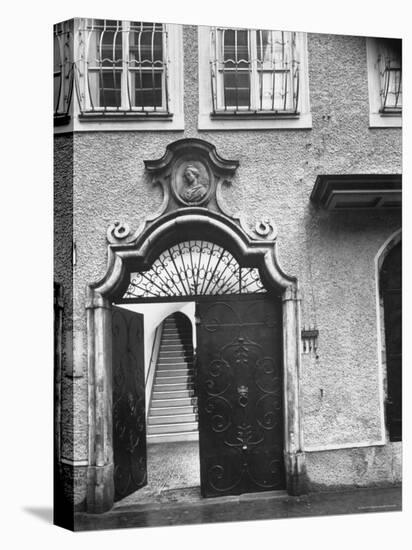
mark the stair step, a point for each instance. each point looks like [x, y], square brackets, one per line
[176, 337]
[165, 380]
[178, 402]
[175, 357]
[170, 438]
[170, 428]
[170, 411]
[173, 407]
[173, 348]
[173, 394]
[167, 331]
[178, 367]
[173, 386]
[156, 420]
[182, 338]
[179, 364]
[174, 372]
[176, 379]
[173, 328]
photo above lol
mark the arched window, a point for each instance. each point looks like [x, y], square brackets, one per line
[391, 293]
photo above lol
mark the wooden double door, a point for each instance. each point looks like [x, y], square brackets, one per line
[240, 396]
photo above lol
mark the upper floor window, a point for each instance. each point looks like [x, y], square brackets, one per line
[254, 71]
[384, 57]
[252, 79]
[390, 73]
[121, 71]
[63, 71]
[126, 68]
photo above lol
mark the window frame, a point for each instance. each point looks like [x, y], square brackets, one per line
[249, 119]
[125, 78]
[63, 43]
[377, 118]
[117, 120]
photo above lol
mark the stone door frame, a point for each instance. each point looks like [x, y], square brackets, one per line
[140, 254]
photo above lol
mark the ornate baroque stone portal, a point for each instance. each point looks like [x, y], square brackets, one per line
[192, 175]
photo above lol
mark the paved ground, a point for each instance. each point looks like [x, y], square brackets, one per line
[190, 508]
[172, 468]
[172, 497]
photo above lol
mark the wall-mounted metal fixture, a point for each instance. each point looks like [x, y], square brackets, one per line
[309, 340]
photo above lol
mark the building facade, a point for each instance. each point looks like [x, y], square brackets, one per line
[282, 152]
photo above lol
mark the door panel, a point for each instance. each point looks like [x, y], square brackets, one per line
[239, 381]
[391, 288]
[129, 420]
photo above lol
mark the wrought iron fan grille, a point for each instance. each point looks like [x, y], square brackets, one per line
[194, 268]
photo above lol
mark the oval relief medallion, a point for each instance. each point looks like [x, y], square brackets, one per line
[192, 183]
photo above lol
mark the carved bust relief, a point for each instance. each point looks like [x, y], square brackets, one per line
[192, 182]
[191, 173]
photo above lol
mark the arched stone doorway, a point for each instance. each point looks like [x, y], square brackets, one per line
[390, 293]
[276, 299]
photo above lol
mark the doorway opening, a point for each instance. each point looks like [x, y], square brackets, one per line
[172, 436]
[390, 287]
[247, 331]
[237, 377]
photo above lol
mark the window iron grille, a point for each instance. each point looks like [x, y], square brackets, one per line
[63, 71]
[125, 68]
[390, 73]
[254, 72]
[194, 268]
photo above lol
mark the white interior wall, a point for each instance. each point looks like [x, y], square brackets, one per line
[154, 314]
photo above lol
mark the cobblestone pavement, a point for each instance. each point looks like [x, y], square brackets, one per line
[173, 474]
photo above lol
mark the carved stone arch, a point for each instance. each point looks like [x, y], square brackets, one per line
[174, 311]
[387, 246]
[140, 253]
[128, 252]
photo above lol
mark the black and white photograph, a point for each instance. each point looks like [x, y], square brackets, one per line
[226, 209]
[227, 273]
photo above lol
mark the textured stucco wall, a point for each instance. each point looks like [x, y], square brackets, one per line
[331, 254]
[72, 480]
[361, 467]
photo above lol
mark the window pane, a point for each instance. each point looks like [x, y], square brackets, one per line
[236, 89]
[146, 44]
[146, 56]
[275, 55]
[276, 91]
[147, 89]
[105, 88]
[105, 46]
[391, 73]
[235, 48]
[57, 62]
[57, 81]
[274, 49]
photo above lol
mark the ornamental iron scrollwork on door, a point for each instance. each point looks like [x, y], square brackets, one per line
[194, 268]
[129, 421]
[240, 395]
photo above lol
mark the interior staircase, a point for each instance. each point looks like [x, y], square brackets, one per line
[173, 405]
